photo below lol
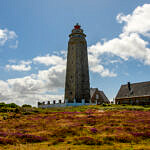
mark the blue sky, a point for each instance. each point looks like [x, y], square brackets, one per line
[34, 38]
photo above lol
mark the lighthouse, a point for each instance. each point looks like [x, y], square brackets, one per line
[77, 84]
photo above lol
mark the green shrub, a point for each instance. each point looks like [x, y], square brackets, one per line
[7, 109]
[104, 104]
[2, 105]
[26, 105]
[12, 105]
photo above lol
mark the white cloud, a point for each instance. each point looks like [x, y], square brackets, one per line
[34, 87]
[26, 62]
[103, 72]
[7, 35]
[96, 67]
[49, 60]
[18, 67]
[128, 44]
[114, 61]
[54, 77]
[125, 46]
[31, 88]
[22, 66]
[138, 21]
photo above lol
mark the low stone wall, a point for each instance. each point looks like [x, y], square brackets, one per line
[65, 104]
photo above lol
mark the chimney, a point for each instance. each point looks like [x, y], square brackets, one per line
[129, 86]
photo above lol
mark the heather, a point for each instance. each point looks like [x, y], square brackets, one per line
[84, 127]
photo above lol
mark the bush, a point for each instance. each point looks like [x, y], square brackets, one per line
[26, 105]
[7, 109]
[2, 105]
[12, 105]
[124, 104]
[104, 104]
[17, 110]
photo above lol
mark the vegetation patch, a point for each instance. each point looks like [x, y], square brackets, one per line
[99, 126]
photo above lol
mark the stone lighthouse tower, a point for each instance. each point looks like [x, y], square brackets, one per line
[77, 86]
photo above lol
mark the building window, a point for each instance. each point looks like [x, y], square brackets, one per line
[97, 96]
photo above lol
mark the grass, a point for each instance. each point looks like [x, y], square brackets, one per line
[85, 127]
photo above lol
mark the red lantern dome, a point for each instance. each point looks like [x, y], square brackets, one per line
[77, 26]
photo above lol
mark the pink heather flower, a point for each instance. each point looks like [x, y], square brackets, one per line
[93, 130]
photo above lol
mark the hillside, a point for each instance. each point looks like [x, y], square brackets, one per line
[75, 128]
